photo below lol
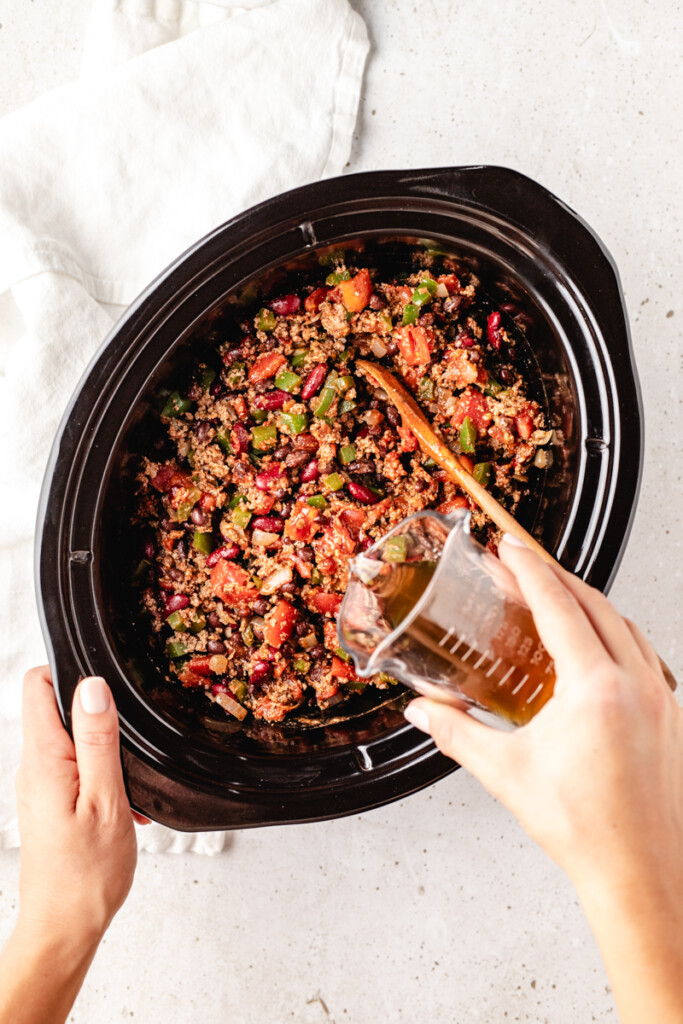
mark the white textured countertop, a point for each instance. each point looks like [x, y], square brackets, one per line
[437, 908]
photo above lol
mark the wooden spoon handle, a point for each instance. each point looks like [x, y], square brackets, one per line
[415, 419]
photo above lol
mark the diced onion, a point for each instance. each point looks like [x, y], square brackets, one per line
[441, 291]
[230, 705]
[544, 458]
[218, 663]
[378, 349]
[308, 641]
[263, 539]
[276, 580]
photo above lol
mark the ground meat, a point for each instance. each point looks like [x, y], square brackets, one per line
[286, 464]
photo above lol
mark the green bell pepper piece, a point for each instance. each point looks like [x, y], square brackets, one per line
[176, 405]
[344, 382]
[427, 389]
[301, 664]
[347, 454]
[356, 684]
[493, 388]
[344, 356]
[237, 499]
[341, 653]
[181, 513]
[208, 377]
[468, 435]
[287, 381]
[327, 397]
[241, 517]
[235, 377]
[259, 415]
[175, 649]
[386, 319]
[410, 314]
[294, 422]
[334, 481]
[336, 276]
[421, 296]
[429, 463]
[265, 320]
[141, 568]
[224, 441]
[317, 501]
[264, 437]
[197, 624]
[176, 621]
[299, 357]
[395, 549]
[347, 405]
[483, 473]
[202, 542]
[241, 690]
[316, 578]
[248, 635]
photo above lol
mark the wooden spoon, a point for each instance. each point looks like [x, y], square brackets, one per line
[414, 418]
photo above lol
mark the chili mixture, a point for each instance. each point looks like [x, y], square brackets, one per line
[284, 462]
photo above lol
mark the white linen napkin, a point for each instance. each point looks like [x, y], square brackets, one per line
[185, 113]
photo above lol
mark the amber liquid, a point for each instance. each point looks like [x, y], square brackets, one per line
[485, 647]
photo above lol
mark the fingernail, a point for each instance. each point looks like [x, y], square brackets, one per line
[418, 717]
[94, 695]
[509, 538]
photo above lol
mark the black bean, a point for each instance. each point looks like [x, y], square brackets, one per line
[317, 673]
[511, 352]
[195, 392]
[317, 652]
[181, 549]
[168, 524]
[361, 468]
[506, 375]
[375, 431]
[204, 431]
[306, 553]
[198, 517]
[217, 389]
[176, 574]
[216, 647]
[377, 301]
[288, 588]
[451, 304]
[302, 628]
[279, 493]
[393, 416]
[232, 355]
[392, 348]
[281, 452]
[296, 459]
[287, 507]
[420, 485]
[261, 606]
[213, 620]
[374, 403]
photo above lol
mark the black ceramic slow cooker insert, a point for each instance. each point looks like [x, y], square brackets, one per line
[184, 766]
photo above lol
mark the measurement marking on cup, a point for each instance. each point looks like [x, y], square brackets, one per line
[484, 656]
[535, 693]
[493, 668]
[507, 675]
[446, 637]
[521, 684]
[455, 646]
[466, 656]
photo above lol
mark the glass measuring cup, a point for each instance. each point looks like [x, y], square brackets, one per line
[432, 607]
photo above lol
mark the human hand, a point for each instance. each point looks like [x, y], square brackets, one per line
[597, 776]
[78, 847]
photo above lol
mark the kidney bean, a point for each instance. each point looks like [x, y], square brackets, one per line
[282, 451]
[317, 652]
[228, 551]
[217, 389]
[420, 485]
[198, 517]
[279, 493]
[214, 620]
[361, 493]
[375, 431]
[465, 339]
[176, 602]
[377, 301]
[452, 303]
[195, 392]
[261, 606]
[475, 356]
[270, 524]
[204, 431]
[306, 443]
[310, 472]
[181, 549]
[296, 459]
[148, 548]
[232, 355]
[220, 688]
[257, 631]
[374, 403]
[285, 305]
[314, 381]
[265, 478]
[260, 671]
[511, 353]
[493, 330]
[176, 574]
[216, 647]
[240, 437]
[168, 524]
[165, 584]
[306, 552]
[274, 399]
[393, 416]
[363, 432]
[366, 543]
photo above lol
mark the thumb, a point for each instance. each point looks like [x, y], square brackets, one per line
[479, 748]
[96, 740]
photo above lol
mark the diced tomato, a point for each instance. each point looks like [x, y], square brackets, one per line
[354, 520]
[200, 665]
[189, 678]
[265, 366]
[460, 370]
[342, 669]
[280, 623]
[232, 584]
[326, 604]
[168, 477]
[303, 567]
[405, 294]
[303, 523]
[262, 504]
[207, 502]
[355, 294]
[524, 425]
[335, 545]
[474, 404]
[414, 343]
[334, 295]
[409, 442]
[452, 504]
[240, 407]
[330, 638]
[451, 282]
[312, 301]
